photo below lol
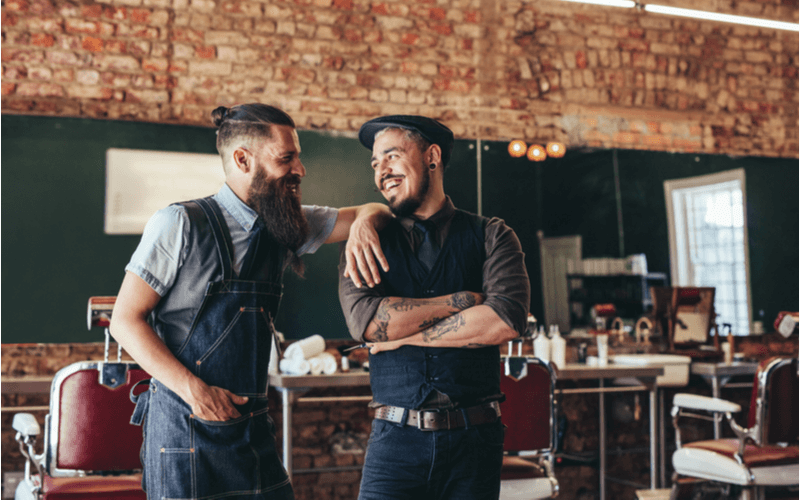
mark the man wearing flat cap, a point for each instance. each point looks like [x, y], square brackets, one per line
[456, 289]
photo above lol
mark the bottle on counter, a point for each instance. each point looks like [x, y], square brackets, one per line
[541, 345]
[558, 347]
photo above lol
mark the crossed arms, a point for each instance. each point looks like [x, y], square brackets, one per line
[462, 319]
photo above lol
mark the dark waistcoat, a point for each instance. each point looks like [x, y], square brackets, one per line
[406, 376]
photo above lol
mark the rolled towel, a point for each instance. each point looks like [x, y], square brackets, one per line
[323, 362]
[295, 366]
[316, 365]
[329, 363]
[306, 348]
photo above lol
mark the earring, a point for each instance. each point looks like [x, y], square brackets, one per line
[432, 166]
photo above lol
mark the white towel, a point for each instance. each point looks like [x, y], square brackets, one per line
[295, 366]
[306, 348]
[323, 362]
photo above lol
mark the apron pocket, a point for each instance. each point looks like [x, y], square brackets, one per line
[226, 460]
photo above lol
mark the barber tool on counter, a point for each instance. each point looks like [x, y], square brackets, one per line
[601, 314]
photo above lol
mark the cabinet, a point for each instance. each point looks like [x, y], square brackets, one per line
[630, 294]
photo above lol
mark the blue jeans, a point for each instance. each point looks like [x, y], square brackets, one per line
[403, 462]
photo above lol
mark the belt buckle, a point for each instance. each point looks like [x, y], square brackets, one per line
[439, 412]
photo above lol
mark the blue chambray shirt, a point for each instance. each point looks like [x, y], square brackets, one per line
[162, 249]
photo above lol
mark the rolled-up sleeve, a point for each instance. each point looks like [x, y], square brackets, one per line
[505, 277]
[161, 250]
[358, 304]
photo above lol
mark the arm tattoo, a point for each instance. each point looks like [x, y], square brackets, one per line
[381, 320]
[406, 304]
[462, 300]
[380, 334]
[429, 322]
[451, 324]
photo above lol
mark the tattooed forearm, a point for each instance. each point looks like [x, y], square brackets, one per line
[380, 334]
[429, 322]
[407, 304]
[462, 300]
[451, 324]
[381, 322]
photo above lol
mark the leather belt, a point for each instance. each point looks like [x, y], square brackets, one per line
[436, 420]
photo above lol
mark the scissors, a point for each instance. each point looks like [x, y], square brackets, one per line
[360, 346]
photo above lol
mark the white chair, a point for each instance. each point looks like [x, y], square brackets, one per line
[765, 453]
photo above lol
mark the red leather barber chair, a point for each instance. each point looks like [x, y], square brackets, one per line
[529, 412]
[91, 451]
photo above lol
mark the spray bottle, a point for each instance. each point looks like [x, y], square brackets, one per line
[558, 347]
[541, 345]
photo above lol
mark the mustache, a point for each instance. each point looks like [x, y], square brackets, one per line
[290, 180]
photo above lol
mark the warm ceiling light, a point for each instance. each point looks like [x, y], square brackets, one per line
[725, 18]
[556, 149]
[517, 148]
[536, 153]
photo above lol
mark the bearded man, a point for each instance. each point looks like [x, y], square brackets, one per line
[456, 290]
[196, 306]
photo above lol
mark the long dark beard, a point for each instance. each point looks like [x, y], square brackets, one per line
[410, 205]
[280, 211]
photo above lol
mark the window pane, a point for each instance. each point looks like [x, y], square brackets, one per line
[712, 222]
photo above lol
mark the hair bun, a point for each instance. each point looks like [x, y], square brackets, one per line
[218, 115]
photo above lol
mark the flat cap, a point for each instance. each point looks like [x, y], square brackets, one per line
[430, 129]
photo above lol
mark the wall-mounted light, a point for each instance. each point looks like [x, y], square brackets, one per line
[608, 3]
[536, 153]
[696, 14]
[725, 18]
[517, 148]
[556, 149]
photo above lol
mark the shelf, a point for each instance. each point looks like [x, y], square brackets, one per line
[630, 294]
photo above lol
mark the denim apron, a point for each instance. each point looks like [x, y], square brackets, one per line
[229, 345]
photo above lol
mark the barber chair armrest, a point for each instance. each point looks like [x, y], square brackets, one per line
[27, 429]
[704, 403]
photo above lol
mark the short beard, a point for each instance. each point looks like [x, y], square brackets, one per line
[280, 211]
[410, 205]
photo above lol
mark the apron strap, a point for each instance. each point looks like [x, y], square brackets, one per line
[221, 234]
[141, 400]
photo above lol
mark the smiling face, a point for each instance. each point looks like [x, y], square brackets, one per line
[400, 171]
[279, 158]
[274, 191]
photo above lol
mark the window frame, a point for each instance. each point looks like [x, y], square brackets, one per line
[677, 233]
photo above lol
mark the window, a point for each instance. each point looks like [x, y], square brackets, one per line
[708, 241]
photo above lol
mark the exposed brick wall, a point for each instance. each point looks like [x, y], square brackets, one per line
[585, 75]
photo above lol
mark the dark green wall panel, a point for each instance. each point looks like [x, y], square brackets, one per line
[56, 254]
